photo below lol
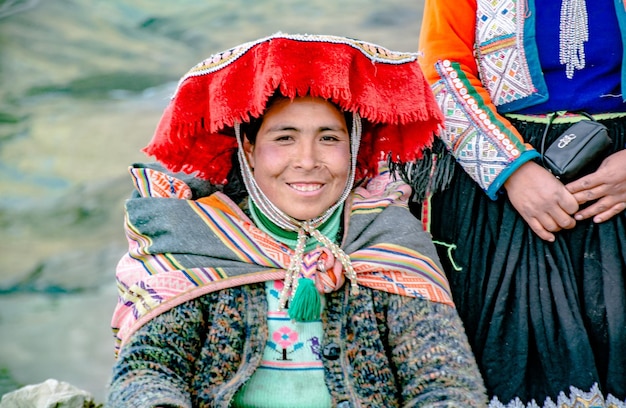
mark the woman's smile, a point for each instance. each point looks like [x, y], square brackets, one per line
[302, 187]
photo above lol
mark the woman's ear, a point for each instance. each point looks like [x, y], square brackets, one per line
[248, 149]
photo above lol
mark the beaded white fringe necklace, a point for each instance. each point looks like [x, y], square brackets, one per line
[573, 33]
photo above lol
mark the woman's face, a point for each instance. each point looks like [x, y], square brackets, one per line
[301, 157]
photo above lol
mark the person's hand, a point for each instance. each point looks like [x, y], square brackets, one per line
[542, 200]
[606, 186]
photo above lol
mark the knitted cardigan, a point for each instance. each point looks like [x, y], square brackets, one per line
[379, 350]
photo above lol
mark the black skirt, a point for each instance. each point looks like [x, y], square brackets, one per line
[540, 316]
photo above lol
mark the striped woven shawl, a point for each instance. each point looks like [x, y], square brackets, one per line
[180, 248]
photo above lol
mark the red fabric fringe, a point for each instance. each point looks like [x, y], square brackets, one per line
[399, 110]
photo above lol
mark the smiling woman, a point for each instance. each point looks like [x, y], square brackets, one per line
[284, 254]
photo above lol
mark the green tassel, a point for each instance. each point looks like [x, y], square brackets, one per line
[306, 305]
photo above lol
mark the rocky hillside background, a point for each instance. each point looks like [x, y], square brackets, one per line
[82, 85]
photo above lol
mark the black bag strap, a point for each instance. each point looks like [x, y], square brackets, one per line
[551, 117]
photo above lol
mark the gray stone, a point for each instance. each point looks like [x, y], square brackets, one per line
[48, 394]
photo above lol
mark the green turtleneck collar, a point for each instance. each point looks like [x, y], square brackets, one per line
[330, 228]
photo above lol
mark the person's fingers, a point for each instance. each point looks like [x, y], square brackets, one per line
[566, 222]
[541, 231]
[601, 211]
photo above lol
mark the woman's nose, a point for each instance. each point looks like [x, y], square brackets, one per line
[306, 156]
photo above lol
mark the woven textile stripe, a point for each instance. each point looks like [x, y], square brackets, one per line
[163, 186]
[249, 243]
[389, 257]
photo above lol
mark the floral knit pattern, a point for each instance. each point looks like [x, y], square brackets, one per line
[393, 351]
[292, 358]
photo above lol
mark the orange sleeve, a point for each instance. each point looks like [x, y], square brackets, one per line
[448, 32]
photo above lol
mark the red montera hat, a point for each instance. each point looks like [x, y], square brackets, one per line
[386, 88]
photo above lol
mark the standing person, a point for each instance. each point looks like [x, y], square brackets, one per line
[536, 264]
[275, 263]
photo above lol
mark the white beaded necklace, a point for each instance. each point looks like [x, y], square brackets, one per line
[573, 33]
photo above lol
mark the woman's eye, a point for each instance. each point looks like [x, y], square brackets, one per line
[329, 138]
[283, 138]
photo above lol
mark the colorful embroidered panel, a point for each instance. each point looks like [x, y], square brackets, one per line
[502, 60]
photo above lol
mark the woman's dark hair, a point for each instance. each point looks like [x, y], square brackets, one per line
[235, 188]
